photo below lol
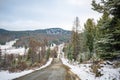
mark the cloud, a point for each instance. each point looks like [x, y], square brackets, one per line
[38, 14]
[79, 2]
[34, 24]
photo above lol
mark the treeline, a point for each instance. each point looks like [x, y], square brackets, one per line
[99, 40]
[36, 56]
[54, 35]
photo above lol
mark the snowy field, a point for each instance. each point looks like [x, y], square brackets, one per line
[8, 45]
[5, 75]
[83, 71]
[9, 49]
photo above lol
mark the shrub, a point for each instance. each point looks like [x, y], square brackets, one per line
[22, 66]
[35, 64]
[12, 69]
[117, 65]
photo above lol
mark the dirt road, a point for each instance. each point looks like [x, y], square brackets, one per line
[56, 71]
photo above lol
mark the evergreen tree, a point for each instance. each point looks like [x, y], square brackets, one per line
[111, 38]
[102, 23]
[90, 35]
[48, 53]
[101, 32]
[30, 55]
[69, 52]
[75, 39]
[83, 47]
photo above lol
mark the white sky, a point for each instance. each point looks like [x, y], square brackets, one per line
[41, 14]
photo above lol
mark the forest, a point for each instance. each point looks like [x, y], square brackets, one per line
[98, 41]
[101, 39]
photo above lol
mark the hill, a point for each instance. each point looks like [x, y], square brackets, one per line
[53, 35]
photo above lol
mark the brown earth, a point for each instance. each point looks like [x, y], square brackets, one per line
[56, 71]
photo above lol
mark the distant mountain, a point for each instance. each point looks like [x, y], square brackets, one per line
[56, 31]
[53, 35]
[2, 31]
[53, 31]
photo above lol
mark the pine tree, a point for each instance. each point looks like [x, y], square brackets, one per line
[102, 25]
[75, 39]
[111, 38]
[90, 35]
[48, 53]
[69, 52]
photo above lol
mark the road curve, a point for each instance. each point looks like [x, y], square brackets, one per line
[56, 71]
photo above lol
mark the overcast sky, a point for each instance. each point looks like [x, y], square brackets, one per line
[41, 14]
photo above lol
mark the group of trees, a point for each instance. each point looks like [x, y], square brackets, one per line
[77, 44]
[37, 55]
[39, 52]
[101, 39]
[12, 62]
[109, 28]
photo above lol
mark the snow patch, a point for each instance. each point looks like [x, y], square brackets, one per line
[8, 45]
[52, 46]
[83, 71]
[60, 52]
[5, 75]
[9, 49]
[47, 64]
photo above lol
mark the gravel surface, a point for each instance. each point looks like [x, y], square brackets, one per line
[56, 71]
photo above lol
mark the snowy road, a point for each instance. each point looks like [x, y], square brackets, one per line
[56, 71]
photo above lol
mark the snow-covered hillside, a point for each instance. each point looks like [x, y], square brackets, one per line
[9, 49]
[8, 45]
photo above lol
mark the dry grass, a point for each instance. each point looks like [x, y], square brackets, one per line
[70, 75]
[95, 70]
[117, 65]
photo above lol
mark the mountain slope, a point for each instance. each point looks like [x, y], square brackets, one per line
[53, 35]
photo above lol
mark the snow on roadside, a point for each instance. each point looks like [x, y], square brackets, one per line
[5, 75]
[109, 73]
[60, 50]
[83, 71]
[53, 46]
[47, 64]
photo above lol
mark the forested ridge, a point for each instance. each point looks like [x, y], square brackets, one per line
[54, 35]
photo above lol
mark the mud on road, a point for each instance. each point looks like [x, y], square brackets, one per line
[56, 71]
